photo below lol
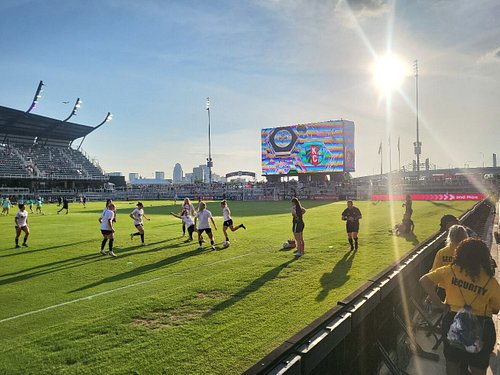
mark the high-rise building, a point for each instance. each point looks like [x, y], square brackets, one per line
[206, 173]
[133, 176]
[159, 175]
[198, 175]
[178, 174]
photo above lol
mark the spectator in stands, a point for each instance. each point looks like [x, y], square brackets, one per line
[202, 217]
[107, 229]
[21, 220]
[6, 206]
[298, 226]
[468, 280]
[65, 205]
[228, 221]
[352, 215]
[448, 220]
[137, 216]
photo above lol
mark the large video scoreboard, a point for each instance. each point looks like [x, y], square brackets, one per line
[319, 147]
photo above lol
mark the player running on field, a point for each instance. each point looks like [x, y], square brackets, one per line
[6, 206]
[202, 219]
[39, 206]
[137, 216]
[352, 215]
[228, 221]
[21, 220]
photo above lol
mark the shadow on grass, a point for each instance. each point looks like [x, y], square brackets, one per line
[411, 237]
[447, 205]
[142, 269]
[79, 261]
[252, 287]
[338, 276]
[22, 251]
[54, 267]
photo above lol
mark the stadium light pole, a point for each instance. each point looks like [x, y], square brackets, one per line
[37, 96]
[417, 144]
[108, 118]
[77, 105]
[209, 159]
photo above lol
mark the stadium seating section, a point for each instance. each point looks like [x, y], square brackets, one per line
[51, 162]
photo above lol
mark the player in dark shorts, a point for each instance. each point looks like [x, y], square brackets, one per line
[107, 229]
[65, 206]
[21, 220]
[298, 226]
[228, 221]
[352, 215]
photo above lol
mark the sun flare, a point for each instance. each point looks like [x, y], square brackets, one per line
[388, 73]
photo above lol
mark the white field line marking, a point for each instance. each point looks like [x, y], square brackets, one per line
[117, 289]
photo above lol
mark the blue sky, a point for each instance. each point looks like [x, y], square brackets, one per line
[263, 63]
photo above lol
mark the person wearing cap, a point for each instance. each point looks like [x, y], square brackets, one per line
[137, 216]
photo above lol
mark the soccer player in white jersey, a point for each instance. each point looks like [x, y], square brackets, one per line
[21, 220]
[137, 216]
[187, 221]
[202, 219]
[189, 208]
[107, 229]
[228, 221]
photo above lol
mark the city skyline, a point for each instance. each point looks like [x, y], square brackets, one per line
[263, 64]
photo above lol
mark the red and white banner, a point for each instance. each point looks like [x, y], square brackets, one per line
[429, 197]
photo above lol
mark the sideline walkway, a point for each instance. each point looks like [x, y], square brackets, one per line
[420, 366]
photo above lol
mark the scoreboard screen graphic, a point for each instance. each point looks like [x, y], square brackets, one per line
[320, 147]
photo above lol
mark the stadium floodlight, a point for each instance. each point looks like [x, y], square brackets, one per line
[77, 105]
[417, 145]
[37, 96]
[209, 159]
[108, 118]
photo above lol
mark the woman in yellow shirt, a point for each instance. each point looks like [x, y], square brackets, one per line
[467, 280]
[443, 257]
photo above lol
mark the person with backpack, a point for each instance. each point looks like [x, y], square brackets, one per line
[472, 296]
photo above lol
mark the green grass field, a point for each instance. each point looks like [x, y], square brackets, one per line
[168, 308]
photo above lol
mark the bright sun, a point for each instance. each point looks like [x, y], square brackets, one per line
[388, 73]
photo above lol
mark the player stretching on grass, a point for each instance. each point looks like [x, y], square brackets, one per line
[107, 229]
[21, 220]
[202, 216]
[137, 216]
[228, 221]
[352, 215]
[298, 226]
[187, 221]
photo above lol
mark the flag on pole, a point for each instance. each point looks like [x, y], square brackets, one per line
[398, 144]
[380, 148]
